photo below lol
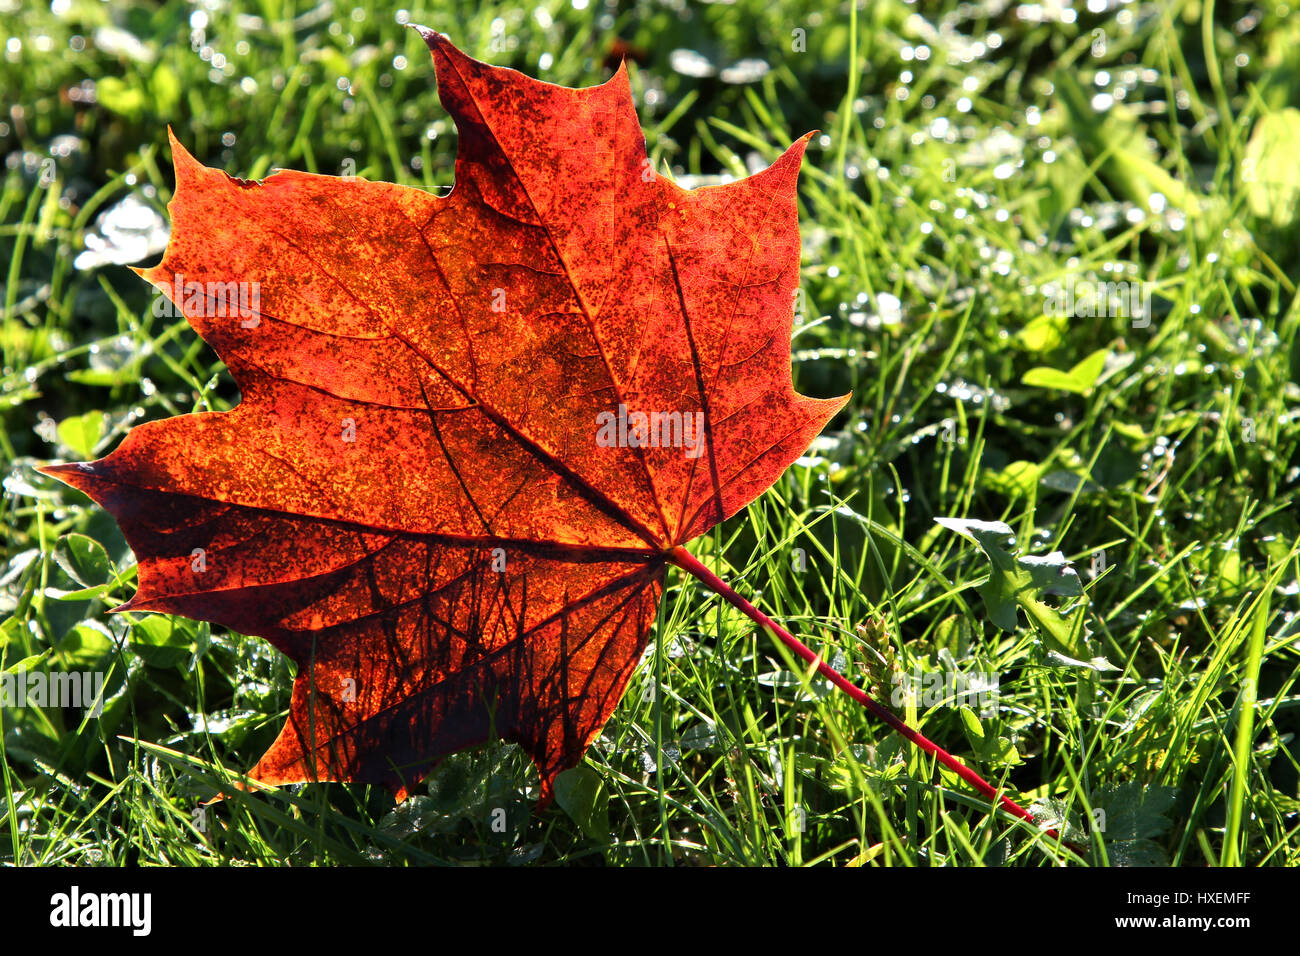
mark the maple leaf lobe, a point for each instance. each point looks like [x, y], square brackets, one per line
[409, 500]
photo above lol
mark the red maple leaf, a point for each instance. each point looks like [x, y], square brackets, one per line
[474, 430]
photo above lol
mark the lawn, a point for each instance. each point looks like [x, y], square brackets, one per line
[1051, 249]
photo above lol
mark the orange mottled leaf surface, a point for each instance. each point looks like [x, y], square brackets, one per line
[471, 428]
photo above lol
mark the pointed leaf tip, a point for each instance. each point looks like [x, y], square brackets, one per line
[67, 468]
[430, 36]
[183, 162]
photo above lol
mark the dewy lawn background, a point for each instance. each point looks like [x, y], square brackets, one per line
[982, 169]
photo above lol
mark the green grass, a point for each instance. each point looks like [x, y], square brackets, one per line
[1160, 457]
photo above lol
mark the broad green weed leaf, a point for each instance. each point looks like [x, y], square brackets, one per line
[1271, 168]
[1016, 581]
[1079, 379]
